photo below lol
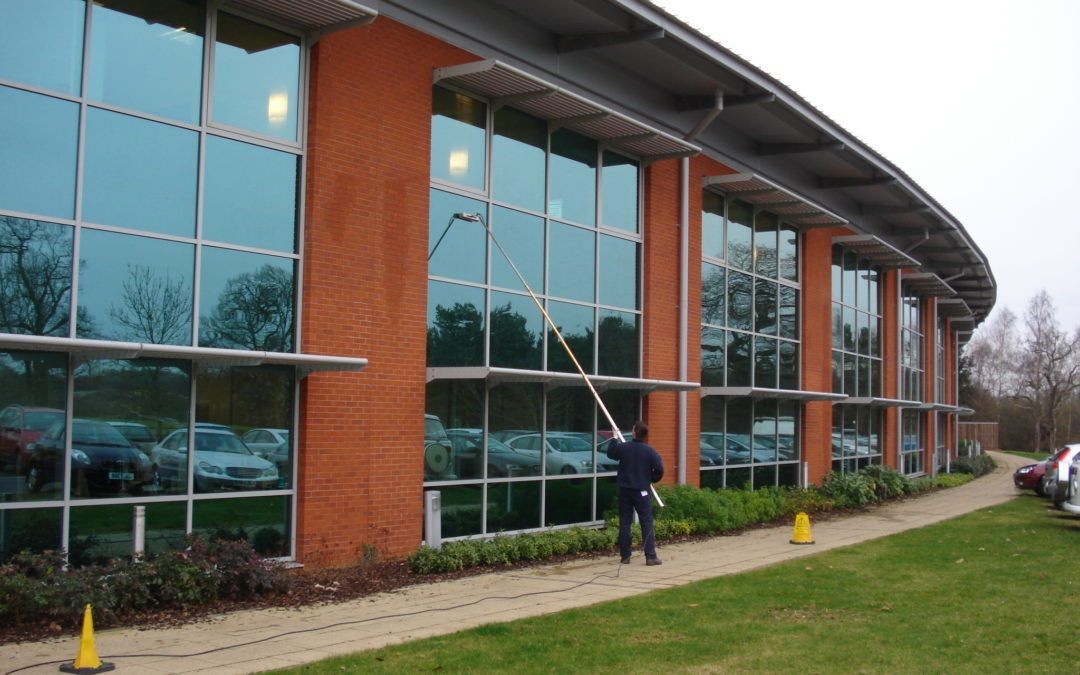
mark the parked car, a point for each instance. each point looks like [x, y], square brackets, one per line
[1056, 481]
[1030, 477]
[565, 453]
[265, 441]
[222, 461]
[739, 450]
[137, 434]
[502, 460]
[710, 456]
[102, 460]
[20, 426]
[1072, 504]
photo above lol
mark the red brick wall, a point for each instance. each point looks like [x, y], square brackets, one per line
[890, 350]
[365, 290]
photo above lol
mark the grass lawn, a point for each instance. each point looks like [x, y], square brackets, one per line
[965, 596]
[1037, 456]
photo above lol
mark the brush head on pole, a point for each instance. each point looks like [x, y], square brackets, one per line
[471, 217]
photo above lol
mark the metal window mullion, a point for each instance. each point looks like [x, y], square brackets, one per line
[547, 246]
[294, 455]
[193, 392]
[65, 483]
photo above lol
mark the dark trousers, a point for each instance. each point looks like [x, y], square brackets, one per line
[630, 501]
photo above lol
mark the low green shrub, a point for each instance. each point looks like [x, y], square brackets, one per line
[850, 490]
[888, 483]
[946, 480]
[976, 466]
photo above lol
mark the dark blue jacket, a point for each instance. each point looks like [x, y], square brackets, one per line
[639, 464]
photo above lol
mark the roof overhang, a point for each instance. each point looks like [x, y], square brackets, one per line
[878, 402]
[927, 284]
[964, 411]
[953, 308]
[506, 85]
[762, 392]
[315, 17]
[207, 357]
[876, 250]
[495, 376]
[761, 191]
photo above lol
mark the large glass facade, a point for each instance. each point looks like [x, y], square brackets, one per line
[749, 338]
[142, 203]
[912, 384]
[518, 455]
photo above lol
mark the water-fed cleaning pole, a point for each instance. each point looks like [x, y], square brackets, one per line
[477, 218]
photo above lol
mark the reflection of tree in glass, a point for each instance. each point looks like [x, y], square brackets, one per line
[155, 308]
[35, 277]
[741, 254]
[713, 295]
[456, 337]
[618, 346]
[512, 343]
[580, 343]
[255, 311]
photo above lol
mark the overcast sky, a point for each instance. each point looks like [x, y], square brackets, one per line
[977, 100]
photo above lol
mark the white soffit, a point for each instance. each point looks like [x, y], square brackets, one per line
[876, 250]
[927, 284]
[321, 16]
[762, 192]
[954, 308]
[496, 376]
[506, 85]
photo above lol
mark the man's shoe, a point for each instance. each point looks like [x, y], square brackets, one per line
[654, 561]
[626, 560]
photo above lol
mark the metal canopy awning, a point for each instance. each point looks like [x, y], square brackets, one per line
[876, 250]
[96, 350]
[506, 85]
[792, 207]
[496, 376]
[878, 402]
[927, 284]
[762, 392]
[964, 411]
[954, 308]
[312, 16]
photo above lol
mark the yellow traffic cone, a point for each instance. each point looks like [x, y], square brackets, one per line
[802, 530]
[86, 661]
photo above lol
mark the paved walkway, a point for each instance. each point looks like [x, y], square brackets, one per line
[314, 633]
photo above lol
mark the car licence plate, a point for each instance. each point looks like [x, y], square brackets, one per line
[245, 483]
[121, 475]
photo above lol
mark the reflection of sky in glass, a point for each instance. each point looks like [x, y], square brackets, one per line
[250, 195]
[522, 236]
[712, 225]
[267, 279]
[518, 150]
[618, 272]
[256, 77]
[138, 62]
[154, 306]
[458, 137]
[461, 253]
[573, 177]
[789, 253]
[140, 174]
[619, 192]
[41, 43]
[38, 137]
[739, 234]
[571, 263]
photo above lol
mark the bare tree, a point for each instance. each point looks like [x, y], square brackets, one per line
[994, 356]
[1048, 373]
[156, 308]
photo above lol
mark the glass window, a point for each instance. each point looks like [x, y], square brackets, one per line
[789, 365]
[462, 510]
[789, 312]
[34, 530]
[33, 395]
[740, 248]
[38, 141]
[787, 430]
[765, 307]
[765, 362]
[713, 341]
[130, 428]
[246, 301]
[262, 521]
[739, 302]
[850, 265]
[740, 424]
[230, 404]
[569, 438]
[140, 174]
[256, 77]
[454, 436]
[618, 348]
[458, 138]
[765, 228]
[522, 237]
[135, 289]
[573, 177]
[457, 248]
[516, 332]
[619, 190]
[789, 253]
[513, 506]
[568, 501]
[35, 275]
[572, 262]
[618, 272]
[712, 225]
[713, 294]
[41, 43]
[712, 431]
[518, 151]
[102, 533]
[739, 363]
[148, 56]
[455, 325]
[575, 323]
[250, 196]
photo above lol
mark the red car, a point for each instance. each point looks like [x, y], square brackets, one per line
[21, 425]
[1029, 477]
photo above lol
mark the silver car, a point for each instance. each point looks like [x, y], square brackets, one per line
[222, 461]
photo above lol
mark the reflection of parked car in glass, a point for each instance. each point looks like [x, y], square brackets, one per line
[739, 451]
[20, 426]
[437, 450]
[222, 461]
[566, 453]
[102, 460]
[265, 441]
[710, 456]
[136, 434]
[502, 460]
